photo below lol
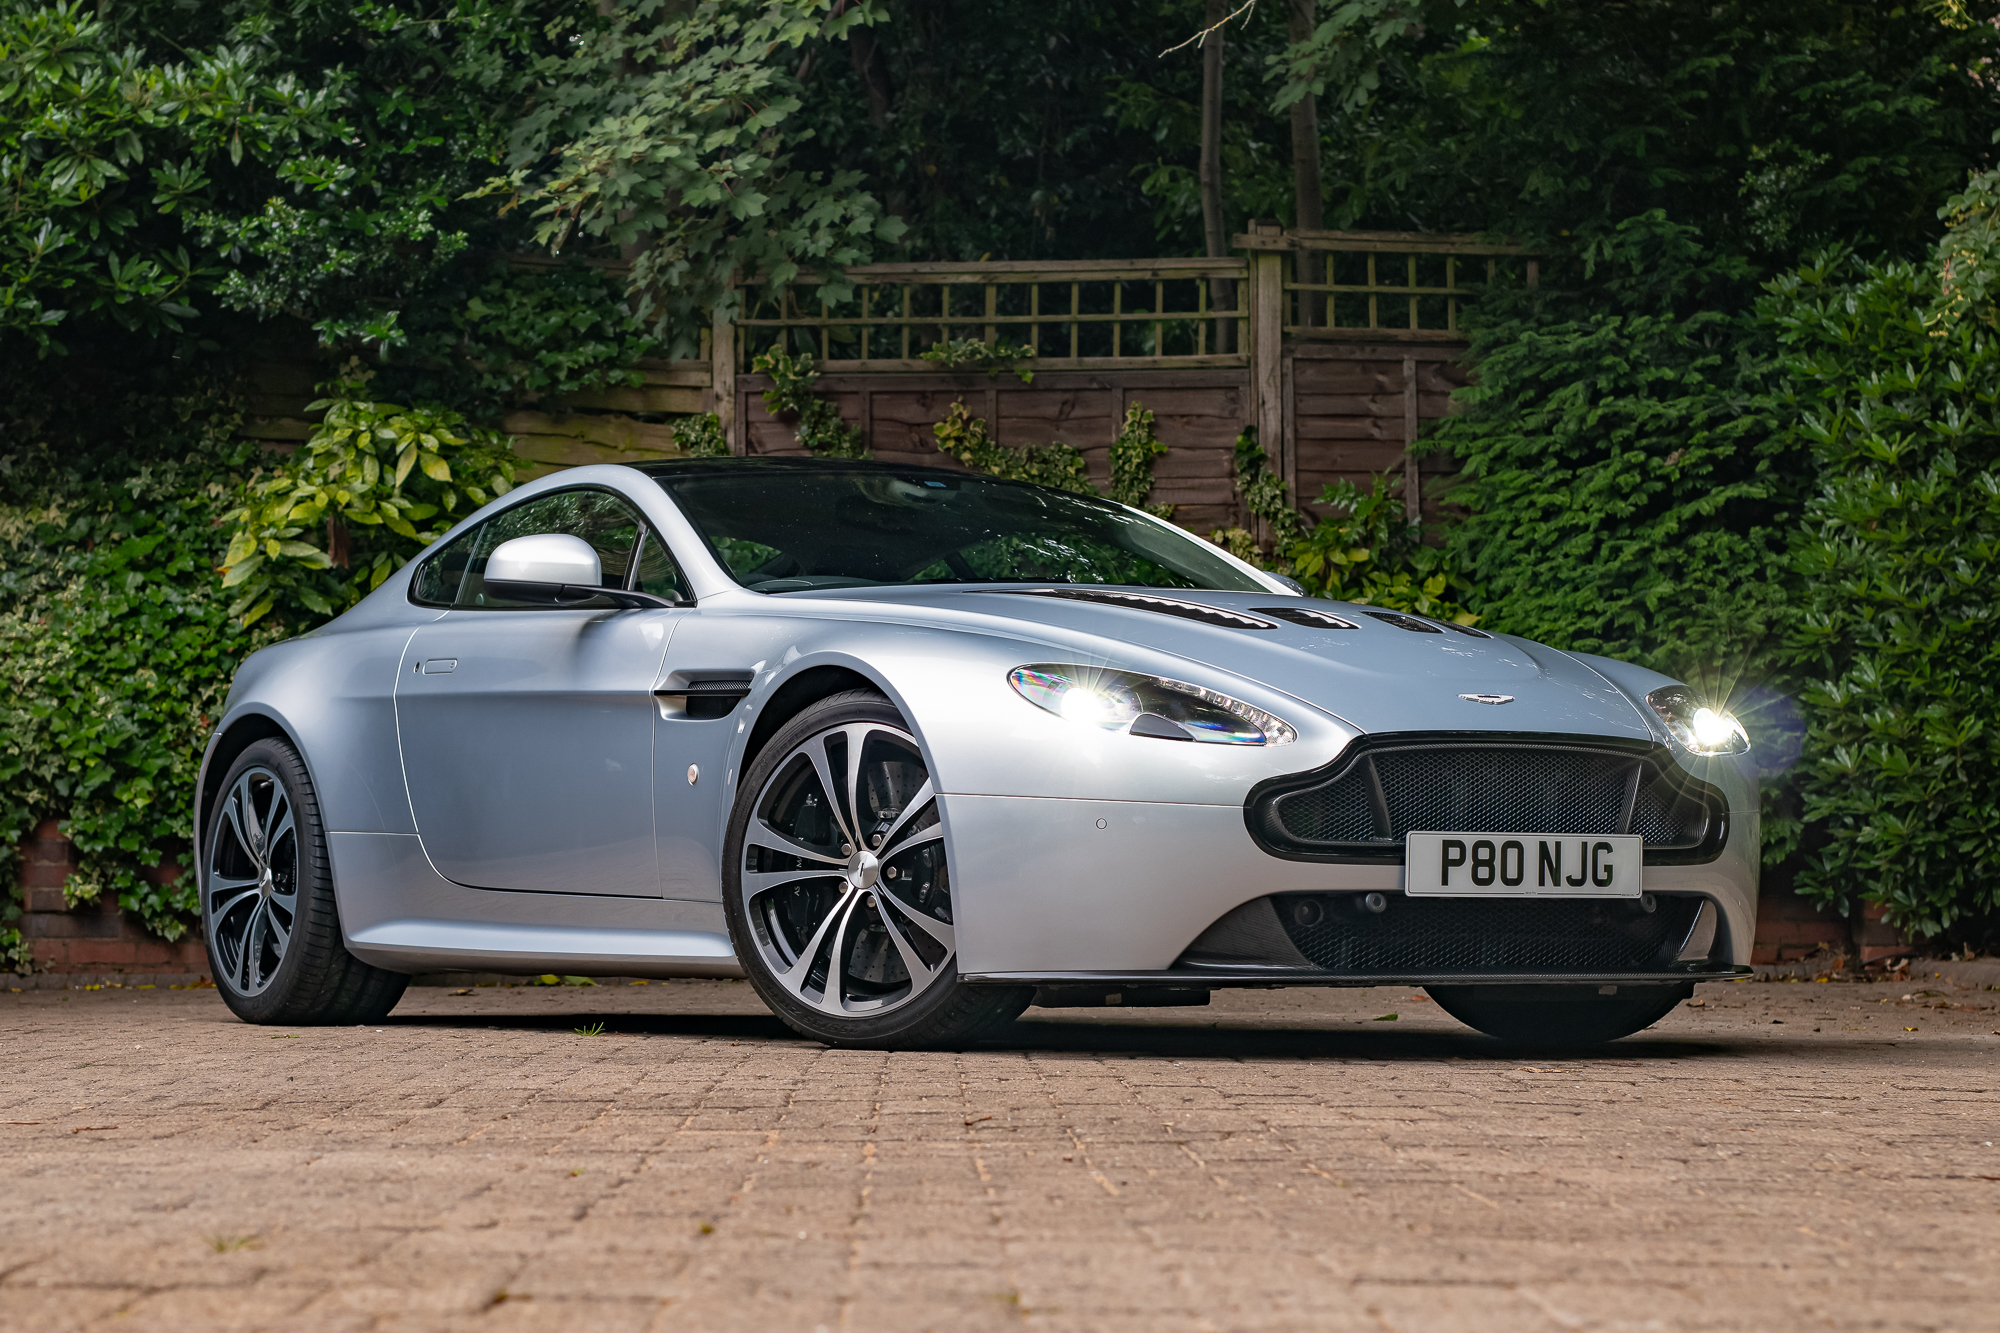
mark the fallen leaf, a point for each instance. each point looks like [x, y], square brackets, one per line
[1383, 1018]
[85, 1129]
[976, 1119]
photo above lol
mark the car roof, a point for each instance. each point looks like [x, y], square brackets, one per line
[687, 467]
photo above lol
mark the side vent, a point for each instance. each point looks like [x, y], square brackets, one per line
[1166, 606]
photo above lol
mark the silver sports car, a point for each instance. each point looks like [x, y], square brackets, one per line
[912, 749]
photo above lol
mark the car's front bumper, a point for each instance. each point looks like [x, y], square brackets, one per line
[1059, 891]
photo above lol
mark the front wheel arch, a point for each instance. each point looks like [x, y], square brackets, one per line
[796, 695]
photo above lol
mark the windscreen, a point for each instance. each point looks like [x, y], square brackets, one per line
[801, 529]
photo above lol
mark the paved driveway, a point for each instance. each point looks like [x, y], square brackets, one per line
[1782, 1156]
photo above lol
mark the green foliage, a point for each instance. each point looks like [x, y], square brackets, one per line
[1896, 369]
[100, 147]
[382, 480]
[1132, 455]
[973, 354]
[675, 128]
[963, 436]
[702, 436]
[524, 333]
[1630, 493]
[1264, 495]
[820, 430]
[1364, 551]
[116, 644]
[1969, 256]
[1769, 127]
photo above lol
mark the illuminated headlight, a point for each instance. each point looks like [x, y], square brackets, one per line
[1699, 729]
[1147, 706]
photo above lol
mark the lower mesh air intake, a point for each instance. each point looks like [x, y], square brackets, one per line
[1485, 936]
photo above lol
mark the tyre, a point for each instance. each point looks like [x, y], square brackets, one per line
[837, 890]
[1577, 1015]
[267, 909]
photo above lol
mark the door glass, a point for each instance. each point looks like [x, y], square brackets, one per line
[456, 575]
[658, 574]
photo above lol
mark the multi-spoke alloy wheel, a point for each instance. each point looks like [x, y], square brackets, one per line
[253, 881]
[839, 893]
[267, 901]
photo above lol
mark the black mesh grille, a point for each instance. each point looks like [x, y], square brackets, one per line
[1486, 936]
[1367, 805]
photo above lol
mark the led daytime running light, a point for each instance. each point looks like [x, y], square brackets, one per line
[1114, 700]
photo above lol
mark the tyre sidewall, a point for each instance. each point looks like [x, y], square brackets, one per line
[915, 1023]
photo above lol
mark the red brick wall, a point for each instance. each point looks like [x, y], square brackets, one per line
[95, 937]
[1790, 927]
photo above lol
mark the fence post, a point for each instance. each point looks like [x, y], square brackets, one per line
[722, 378]
[1267, 344]
[1413, 496]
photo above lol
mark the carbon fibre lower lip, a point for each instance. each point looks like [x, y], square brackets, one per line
[1285, 976]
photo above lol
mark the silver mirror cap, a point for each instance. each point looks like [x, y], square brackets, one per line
[546, 557]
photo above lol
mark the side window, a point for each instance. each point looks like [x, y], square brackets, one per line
[658, 574]
[456, 575]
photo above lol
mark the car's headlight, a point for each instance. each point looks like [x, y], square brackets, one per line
[1147, 706]
[1700, 729]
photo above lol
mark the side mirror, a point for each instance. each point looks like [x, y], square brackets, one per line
[555, 569]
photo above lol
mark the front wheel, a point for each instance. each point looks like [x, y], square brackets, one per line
[837, 888]
[1575, 1015]
[267, 908]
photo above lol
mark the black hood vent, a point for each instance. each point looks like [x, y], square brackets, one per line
[1299, 615]
[1166, 606]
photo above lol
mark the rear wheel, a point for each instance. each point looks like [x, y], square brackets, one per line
[1579, 1015]
[837, 889]
[274, 943]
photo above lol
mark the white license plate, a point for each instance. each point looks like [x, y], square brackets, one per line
[1523, 865]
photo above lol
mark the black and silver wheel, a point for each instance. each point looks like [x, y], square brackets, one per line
[268, 912]
[837, 888]
[1570, 1015]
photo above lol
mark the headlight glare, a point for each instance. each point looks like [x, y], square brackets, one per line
[1698, 728]
[1114, 700]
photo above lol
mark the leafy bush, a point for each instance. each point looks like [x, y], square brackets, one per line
[962, 436]
[1629, 490]
[702, 436]
[973, 354]
[116, 644]
[1366, 551]
[1132, 453]
[370, 473]
[1896, 369]
[820, 429]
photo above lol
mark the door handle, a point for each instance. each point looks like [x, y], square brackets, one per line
[437, 666]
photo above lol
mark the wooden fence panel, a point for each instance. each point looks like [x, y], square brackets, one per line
[1330, 403]
[1198, 414]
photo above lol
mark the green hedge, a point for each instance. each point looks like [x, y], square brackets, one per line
[1896, 378]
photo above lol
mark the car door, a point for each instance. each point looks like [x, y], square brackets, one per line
[526, 730]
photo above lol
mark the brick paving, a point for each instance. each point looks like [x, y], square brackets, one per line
[1781, 1155]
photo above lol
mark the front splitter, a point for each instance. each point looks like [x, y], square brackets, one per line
[1272, 976]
